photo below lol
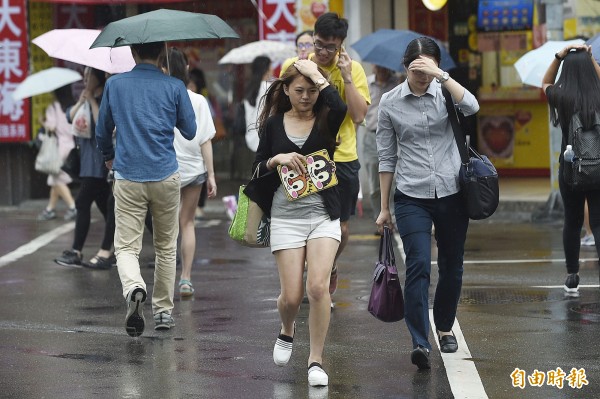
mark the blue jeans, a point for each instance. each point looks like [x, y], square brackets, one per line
[414, 217]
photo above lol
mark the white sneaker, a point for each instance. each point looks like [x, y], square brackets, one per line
[317, 377]
[282, 352]
[588, 241]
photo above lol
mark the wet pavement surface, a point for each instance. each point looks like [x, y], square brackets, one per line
[62, 329]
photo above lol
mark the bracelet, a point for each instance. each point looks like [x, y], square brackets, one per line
[557, 57]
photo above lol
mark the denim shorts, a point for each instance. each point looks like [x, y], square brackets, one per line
[200, 179]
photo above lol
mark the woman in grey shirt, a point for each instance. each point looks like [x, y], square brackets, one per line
[415, 139]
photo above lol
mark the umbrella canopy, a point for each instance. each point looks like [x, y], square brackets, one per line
[594, 42]
[45, 81]
[161, 26]
[276, 51]
[74, 45]
[386, 48]
[532, 66]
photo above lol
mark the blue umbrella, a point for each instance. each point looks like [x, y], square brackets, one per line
[594, 42]
[386, 48]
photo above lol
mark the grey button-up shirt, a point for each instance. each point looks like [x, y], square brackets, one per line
[415, 139]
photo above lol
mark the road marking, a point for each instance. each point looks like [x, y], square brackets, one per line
[462, 374]
[36, 244]
[517, 261]
[460, 369]
[562, 286]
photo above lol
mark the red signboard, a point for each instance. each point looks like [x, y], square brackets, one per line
[74, 16]
[14, 115]
[112, 2]
[277, 20]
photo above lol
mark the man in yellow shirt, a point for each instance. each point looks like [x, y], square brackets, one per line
[350, 80]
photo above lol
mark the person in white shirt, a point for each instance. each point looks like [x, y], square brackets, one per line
[257, 88]
[195, 159]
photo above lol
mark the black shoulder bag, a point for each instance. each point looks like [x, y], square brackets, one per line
[478, 176]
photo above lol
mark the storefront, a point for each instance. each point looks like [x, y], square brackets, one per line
[25, 20]
[513, 125]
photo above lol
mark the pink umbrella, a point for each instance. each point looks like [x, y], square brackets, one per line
[74, 45]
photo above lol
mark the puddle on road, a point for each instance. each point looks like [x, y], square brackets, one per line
[589, 311]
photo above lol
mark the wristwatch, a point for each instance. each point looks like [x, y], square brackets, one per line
[443, 77]
[320, 82]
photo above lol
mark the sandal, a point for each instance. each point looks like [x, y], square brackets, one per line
[186, 291]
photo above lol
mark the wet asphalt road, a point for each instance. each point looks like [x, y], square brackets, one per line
[62, 332]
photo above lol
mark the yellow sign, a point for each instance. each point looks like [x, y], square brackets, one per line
[42, 13]
[307, 12]
[514, 134]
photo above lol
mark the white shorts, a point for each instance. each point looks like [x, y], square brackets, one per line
[294, 233]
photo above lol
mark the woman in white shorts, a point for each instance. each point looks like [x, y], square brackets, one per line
[302, 114]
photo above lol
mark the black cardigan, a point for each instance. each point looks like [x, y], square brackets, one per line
[274, 141]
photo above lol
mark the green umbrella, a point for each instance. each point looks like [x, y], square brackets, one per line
[161, 26]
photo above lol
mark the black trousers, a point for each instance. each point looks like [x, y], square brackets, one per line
[96, 190]
[573, 202]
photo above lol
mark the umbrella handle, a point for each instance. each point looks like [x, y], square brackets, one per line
[167, 55]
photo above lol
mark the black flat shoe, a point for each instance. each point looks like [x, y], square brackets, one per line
[420, 358]
[448, 343]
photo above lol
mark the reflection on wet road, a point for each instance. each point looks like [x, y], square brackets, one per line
[62, 333]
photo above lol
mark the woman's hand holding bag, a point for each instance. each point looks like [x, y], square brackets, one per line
[386, 302]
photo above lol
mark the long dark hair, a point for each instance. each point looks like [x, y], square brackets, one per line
[277, 102]
[64, 96]
[260, 66]
[196, 76]
[100, 76]
[576, 91]
[421, 46]
[177, 64]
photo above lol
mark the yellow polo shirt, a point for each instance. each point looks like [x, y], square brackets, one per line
[346, 151]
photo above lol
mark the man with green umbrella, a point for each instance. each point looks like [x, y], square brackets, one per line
[145, 105]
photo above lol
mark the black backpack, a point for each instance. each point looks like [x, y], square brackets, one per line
[583, 173]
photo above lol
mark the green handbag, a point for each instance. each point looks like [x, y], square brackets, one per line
[250, 226]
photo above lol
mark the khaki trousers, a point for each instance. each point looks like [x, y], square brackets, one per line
[132, 201]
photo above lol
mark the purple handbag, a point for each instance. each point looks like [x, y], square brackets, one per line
[386, 302]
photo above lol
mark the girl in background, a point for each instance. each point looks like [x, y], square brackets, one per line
[195, 159]
[304, 44]
[257, 87]
[56, 121]
[577, 91]
[94, 186]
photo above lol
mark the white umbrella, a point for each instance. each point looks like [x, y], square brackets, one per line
[276, 51]
[74, 45]
[45, 81]
[532, 66]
